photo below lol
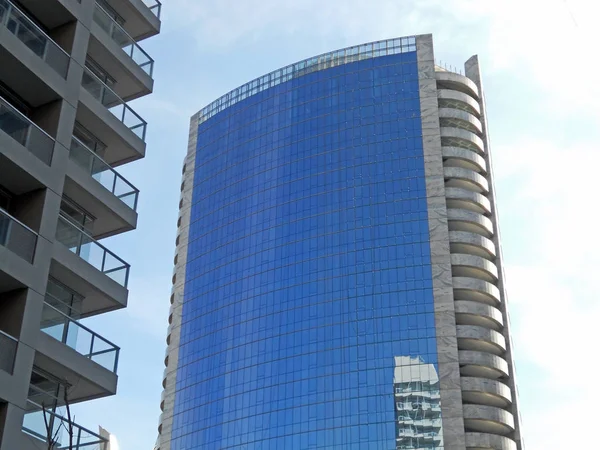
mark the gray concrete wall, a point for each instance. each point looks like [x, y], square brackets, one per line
[173, 333]
[472, 71]
[443, 297]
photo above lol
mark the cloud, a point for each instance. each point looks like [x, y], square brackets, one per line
[510, 34]
[548, 189]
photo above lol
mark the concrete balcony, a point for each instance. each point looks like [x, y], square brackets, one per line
[488, 419]
[71, 351]
[465, 179]
[89, 268]
[112, 48]
[457, 137]
[448, 98]
[54, 14]
[17, 250]
[461, 198]
[474, 313]
[452, 117]
[480, 339]
[472, 244]
[107, 116]
[482, 391]
[470, 221]
[8, 352]
[101, 190]
[465, 158]
[482, 364]
[34, 428]
[478, 441]
[25, 152]
[141, 17]
[464, 265]
[456, 82]
[17, 237]
[472, 289]
[34, 66]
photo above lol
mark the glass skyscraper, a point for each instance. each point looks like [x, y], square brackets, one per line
[338, 282]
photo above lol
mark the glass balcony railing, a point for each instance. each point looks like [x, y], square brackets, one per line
[16, 22]
[91, 251]
[17, 237]
[115, 104]
[103, 173]
[25, 132]
[123, 40]
[154, 6]
[39, 424]
[80, 338]
[8, 351]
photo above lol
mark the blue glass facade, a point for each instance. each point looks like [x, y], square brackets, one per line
[308, 309]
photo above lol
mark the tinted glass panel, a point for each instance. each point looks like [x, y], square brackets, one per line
[308, 308]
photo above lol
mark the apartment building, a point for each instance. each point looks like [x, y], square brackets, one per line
[68, 69]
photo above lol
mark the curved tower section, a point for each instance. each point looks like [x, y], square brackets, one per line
[338, 281]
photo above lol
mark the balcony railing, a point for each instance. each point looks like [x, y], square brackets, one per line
[8, 351]
[103, 173]
[34, 424]
[80, 338]
[91, 251]
[154, 6]
[115, 104]
[25, 132]
[13, 19]
[123, 40]
[17, 237]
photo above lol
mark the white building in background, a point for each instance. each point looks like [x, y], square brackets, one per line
[417, 404]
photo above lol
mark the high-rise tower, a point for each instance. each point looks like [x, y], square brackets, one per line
[67, 71]
[338, 277]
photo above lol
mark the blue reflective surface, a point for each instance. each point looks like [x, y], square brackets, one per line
[308, 308]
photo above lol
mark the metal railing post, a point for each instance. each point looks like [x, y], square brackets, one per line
[77, 445]
[103, 261]
[65, 337]
[116, 360]
[79, 243]
[92, 345]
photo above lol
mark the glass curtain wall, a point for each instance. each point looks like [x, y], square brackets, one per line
[308, 300]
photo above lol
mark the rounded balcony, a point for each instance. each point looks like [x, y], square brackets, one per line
[482, 391]
[480, 339]
[473, 267]
[458, 198]
[482, 365]
[479, 314]
[465, 158]
[465, 179]
[485, 441]
[452, 117]
[456, 82]
[456, 137]
[488, 419]
[463, 220]
[472, 244]
[448, 98]
[472, 289]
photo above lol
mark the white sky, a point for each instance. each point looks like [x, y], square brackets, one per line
[541, 73]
